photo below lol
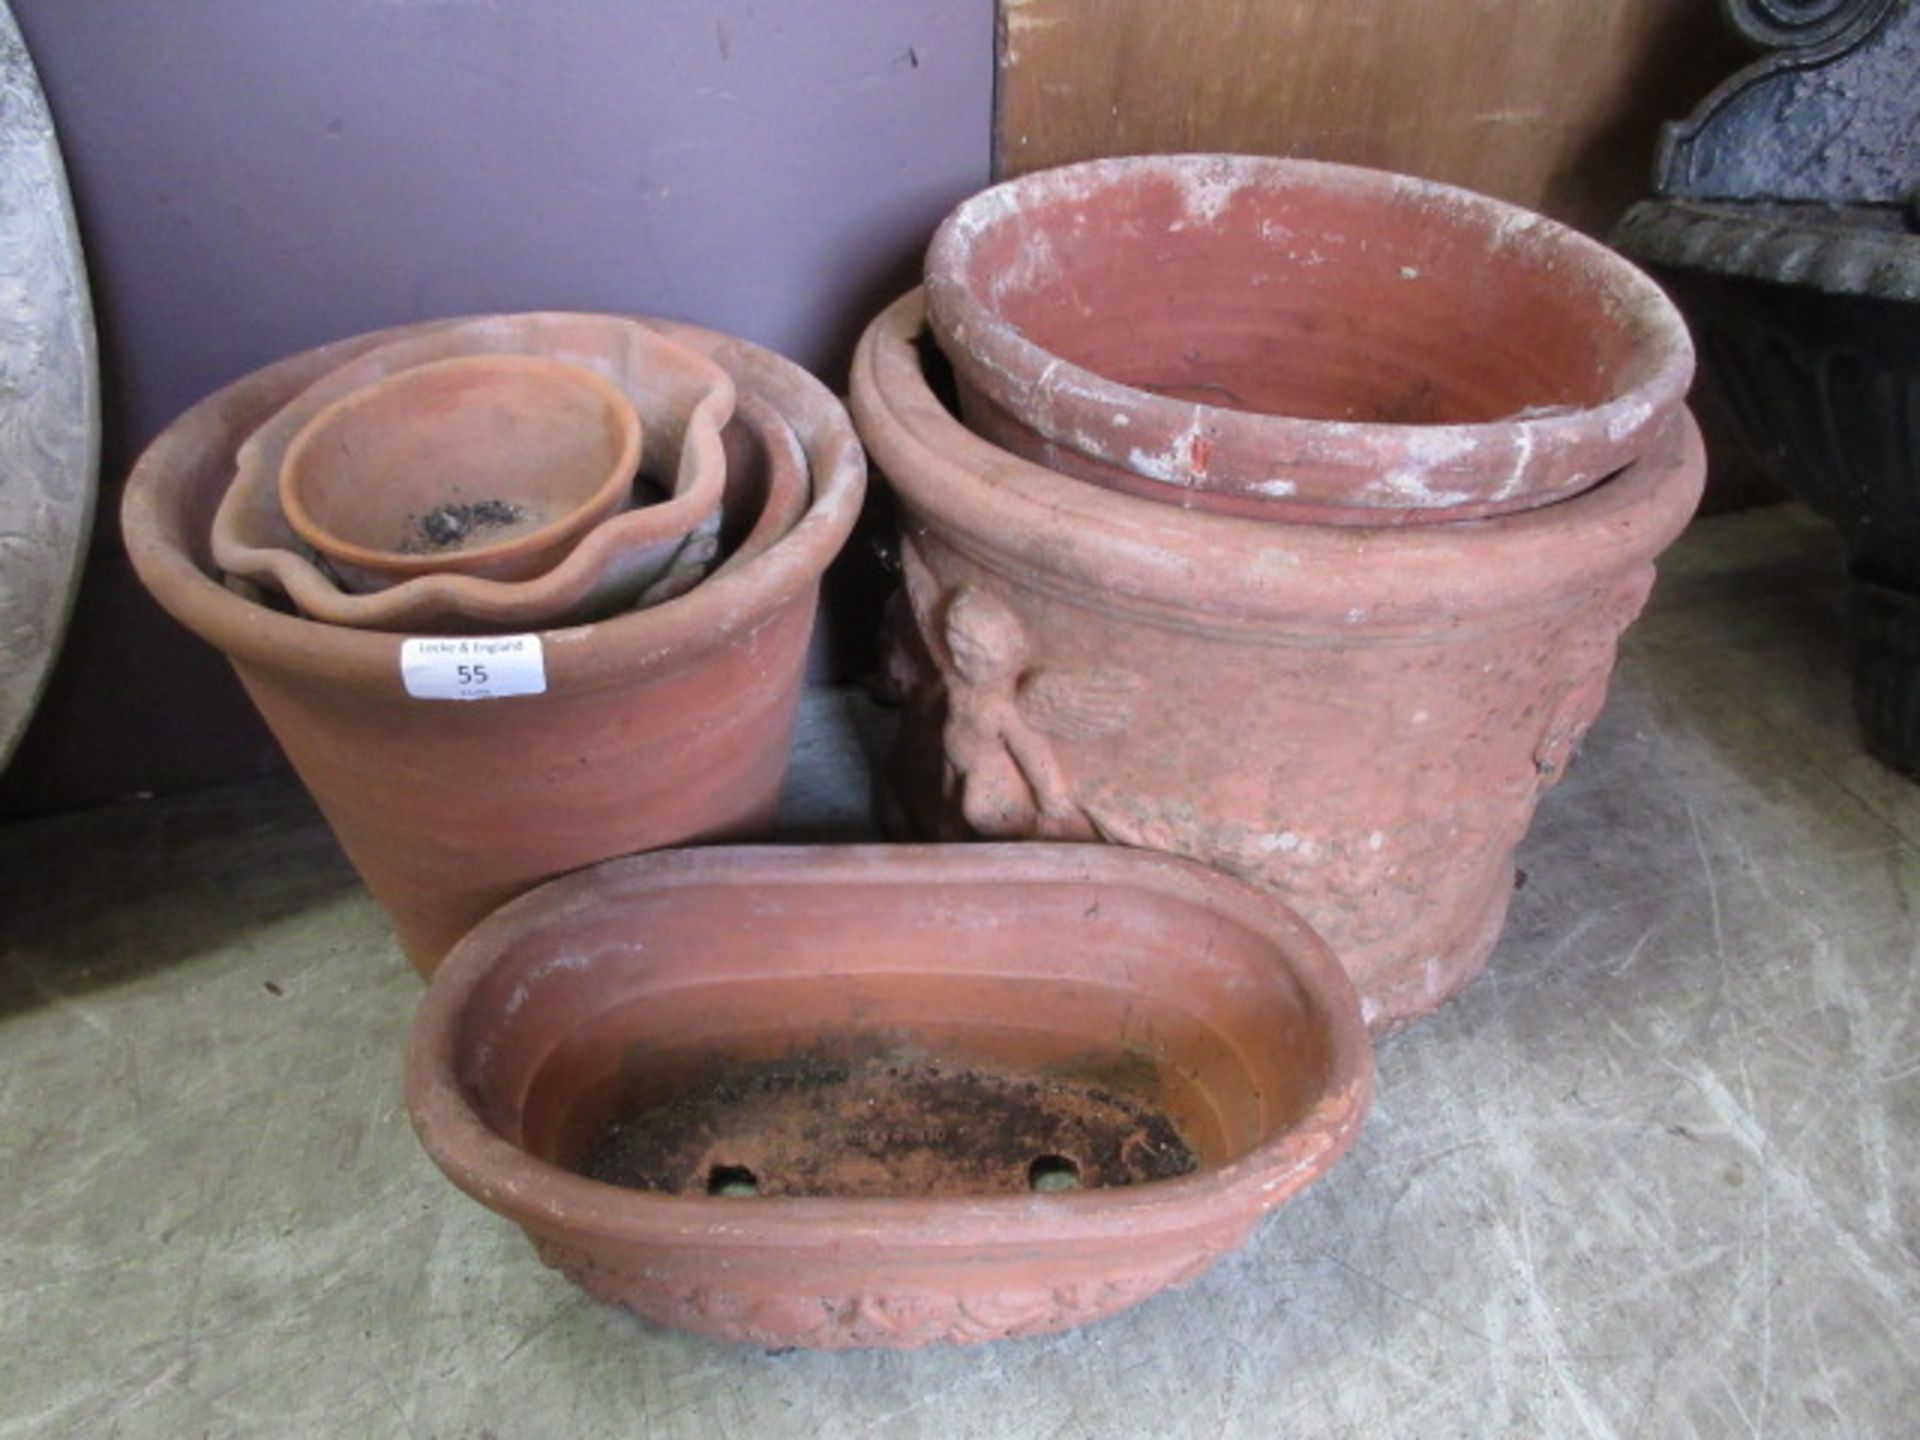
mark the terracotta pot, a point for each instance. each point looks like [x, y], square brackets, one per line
[658, 727]
[1299, 341]
[683, 400]
[550, 448]
[843, 1073]
[1359, 719]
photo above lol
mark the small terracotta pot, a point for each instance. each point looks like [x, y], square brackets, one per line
[658, 727]
[553, 448]
[890, 1046]
[682, 398]
[1298, 341]
[1359, 719]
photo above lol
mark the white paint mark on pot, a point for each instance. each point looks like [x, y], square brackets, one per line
[1409, 485]
[1206, 192]
[1522, 462]
[1629, 419]
[1409, 272]
[1155, 467]
[1036, 266]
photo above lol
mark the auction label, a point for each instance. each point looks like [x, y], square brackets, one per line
[481, 667]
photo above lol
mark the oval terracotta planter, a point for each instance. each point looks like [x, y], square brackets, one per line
[1299, 341]
[1359, 719]
[552, 449]
[847, 1077]
[657, 727]
[683, 400]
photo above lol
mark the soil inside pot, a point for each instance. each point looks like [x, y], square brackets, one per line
[887, 1120]
[456, 525]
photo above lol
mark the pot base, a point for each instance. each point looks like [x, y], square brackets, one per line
[873, 1116]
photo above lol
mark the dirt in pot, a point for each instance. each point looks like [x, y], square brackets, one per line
[898, 1122]
[458, 524]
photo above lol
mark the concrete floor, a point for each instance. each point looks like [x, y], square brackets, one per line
[1654, 1175]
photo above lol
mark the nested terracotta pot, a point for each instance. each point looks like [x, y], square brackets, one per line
[542, 449]
[649, 550]
[890, 1096]
[452, 791]
[1299, 341]
[1360, 719]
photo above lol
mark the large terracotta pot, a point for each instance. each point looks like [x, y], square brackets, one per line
[1299, 341]
[1359, 719]
[656, 727]
[838, 1090]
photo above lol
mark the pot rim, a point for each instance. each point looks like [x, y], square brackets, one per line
[1194, 567]
[162, 540]
[1000, 361]
[552, 1200]
[401, 564]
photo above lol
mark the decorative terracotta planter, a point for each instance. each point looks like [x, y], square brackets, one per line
[1361, 720]
[643, 553]
[491, 465]
[1299, 341]
[661, 726]
[853, 1081]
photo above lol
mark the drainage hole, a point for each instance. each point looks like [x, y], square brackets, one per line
[730, 1181]
[1052, 1173]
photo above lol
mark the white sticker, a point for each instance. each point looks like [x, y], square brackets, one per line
[483, 667]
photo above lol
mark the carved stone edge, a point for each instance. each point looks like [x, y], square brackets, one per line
[1731, 239]
[1819, 35]
[1843, 28]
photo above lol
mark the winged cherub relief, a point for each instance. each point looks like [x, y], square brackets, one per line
[1004, 711]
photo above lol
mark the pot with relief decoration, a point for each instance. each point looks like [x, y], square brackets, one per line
[1359, 718]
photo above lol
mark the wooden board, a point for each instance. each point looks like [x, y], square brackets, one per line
[49, 392]
[1552, 105]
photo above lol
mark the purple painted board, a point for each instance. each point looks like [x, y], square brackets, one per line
[253, 178]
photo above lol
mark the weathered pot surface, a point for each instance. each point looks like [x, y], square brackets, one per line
[1359, 719]
[1299, 341]
[654, 728]
[487, 465]
[683, 399]
[887, 1096]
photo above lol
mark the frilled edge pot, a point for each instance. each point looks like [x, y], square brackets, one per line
[1142, 981]
[1299, 341]
[555, 444]
[683, 400]
[1360, 720]
[657, 727]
